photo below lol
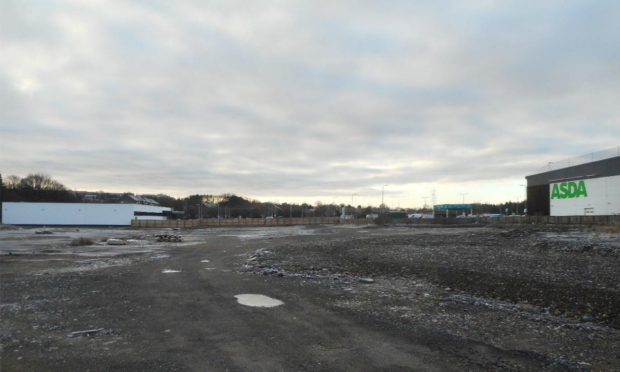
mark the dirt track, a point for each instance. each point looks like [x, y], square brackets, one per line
[442, 299]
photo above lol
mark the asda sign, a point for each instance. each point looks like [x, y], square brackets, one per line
[569, 190]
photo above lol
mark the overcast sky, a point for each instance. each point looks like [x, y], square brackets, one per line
[306, 100]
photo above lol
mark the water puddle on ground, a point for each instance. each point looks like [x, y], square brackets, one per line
[204, 261]
[170, 271]
[255, 300]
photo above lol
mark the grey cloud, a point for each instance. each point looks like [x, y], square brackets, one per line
[303, 100]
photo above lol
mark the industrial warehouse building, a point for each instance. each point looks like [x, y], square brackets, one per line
[583, 186]
[80, 214]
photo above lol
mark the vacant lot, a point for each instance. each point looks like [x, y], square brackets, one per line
[355, 298]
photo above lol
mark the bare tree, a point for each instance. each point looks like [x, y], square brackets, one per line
[40, 181]
[12, 182]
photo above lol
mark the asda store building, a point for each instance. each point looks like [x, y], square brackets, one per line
[582, 186]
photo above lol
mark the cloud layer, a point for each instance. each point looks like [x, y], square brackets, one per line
[306, 100]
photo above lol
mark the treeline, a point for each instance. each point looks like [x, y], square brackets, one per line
[233, 206]
[43, 188]
[34, 188]
[508, 208]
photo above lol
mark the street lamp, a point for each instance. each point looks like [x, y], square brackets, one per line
[517, 205]
[382, 187]
[524, 198]
[464, 197]
[352, 206]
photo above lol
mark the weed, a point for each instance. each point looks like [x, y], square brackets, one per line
[81, 242]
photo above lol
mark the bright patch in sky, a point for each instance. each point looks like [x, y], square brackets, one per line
[301, 101]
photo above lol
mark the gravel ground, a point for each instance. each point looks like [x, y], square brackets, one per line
[552, 291]
[400, 298]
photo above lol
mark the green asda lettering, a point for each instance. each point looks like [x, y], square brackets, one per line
[568, 190]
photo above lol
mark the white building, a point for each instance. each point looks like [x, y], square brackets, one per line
[582, 186]
[80, 214]
[589, 197]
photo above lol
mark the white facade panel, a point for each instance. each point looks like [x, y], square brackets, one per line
[148, 208]
[75, 213]
[151, 218]
[603, 197]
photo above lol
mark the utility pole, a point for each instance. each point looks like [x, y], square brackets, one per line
[382, 187]
[464, 197]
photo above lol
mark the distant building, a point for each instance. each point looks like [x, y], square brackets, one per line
[135, 199]
[398, 215]
[452, 210]
[81, 214]
[583, 186]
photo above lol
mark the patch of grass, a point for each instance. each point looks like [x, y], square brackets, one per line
[614, 228]
[383, 219]
[78, 242]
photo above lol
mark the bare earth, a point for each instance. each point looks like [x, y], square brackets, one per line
[518, 298]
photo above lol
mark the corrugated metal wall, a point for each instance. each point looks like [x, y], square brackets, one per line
[538, 200]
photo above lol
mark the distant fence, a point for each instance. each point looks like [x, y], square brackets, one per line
[566, 220]
[578, 160]
[237, 222]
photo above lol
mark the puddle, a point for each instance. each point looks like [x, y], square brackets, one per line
[171, 271]
[204, 261]
[255, 300]
[209, 268]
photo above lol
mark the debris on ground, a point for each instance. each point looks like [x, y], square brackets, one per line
[115, 242]
[168, 238]
[553, 290]
[89, 332]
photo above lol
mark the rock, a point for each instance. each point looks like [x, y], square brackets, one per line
[366, 280]
[115, 242]
[587, 318]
